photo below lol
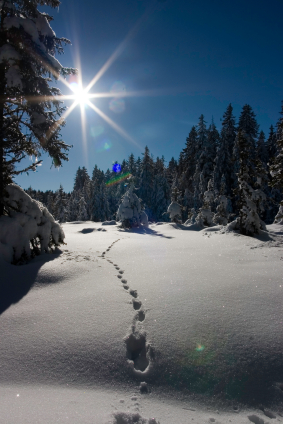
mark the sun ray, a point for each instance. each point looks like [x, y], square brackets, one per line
[59, 121]
[83, 121]
[113, 124]
[119, 49]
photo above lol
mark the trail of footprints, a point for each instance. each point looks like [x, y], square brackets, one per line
[138, 350]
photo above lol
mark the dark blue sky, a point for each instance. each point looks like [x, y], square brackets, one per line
[203, 55]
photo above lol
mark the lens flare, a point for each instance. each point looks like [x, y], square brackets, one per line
[199, 348]
[118, 179]
[103, 145]
[117, 105]
[97, 130]
[118, 87]
[116, 167]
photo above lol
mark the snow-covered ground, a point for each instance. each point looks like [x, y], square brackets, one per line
[196, 315]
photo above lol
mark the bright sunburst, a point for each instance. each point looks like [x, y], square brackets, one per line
[81, 96]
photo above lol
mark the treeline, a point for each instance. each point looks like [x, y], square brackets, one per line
[239, 162]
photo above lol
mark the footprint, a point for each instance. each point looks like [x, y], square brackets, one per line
[124, 281]
[134, 293]
[255, 419]
[141, 315]
[126, 287]
[121, 272]
[119, 276]
[136, 304]
[115, 264]
[117, 267]
[137, 350]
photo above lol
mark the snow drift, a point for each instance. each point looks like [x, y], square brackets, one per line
[28, 229]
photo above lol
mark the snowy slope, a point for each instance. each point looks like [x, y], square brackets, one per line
[196, 315]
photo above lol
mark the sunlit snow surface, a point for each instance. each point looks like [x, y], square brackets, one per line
[197, 315]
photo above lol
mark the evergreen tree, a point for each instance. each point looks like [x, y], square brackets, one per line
[271, 144]
[160, 196]
[81, 178]
[29, 113]
[249, 128]
[82, 214]
[60, 205]
[146, 179]
[171, 171]
[207, 157]
[276, 168]
[132, 168]
[250, 200]
[261, 149]
[189, 153]
[223, 159]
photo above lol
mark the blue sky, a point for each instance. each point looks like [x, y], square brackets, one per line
[199, 56]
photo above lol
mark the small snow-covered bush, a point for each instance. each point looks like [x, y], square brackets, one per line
[279, 217]
[221, 215]
[130, 212]
[28, 229]
[175, 212]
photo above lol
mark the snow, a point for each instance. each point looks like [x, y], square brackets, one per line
[195, 317]
[27, 220]
[35, 29]
[129, 211]
[174, 210]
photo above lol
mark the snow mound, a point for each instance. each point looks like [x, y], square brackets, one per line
[28, 229]
[131, 418]
[113, 222]
[193, 227]
[174, 210]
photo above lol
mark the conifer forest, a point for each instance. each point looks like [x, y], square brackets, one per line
[218, 176]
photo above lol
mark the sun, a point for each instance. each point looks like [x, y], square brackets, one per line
[81, 95]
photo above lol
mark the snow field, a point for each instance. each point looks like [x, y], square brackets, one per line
[196, 315]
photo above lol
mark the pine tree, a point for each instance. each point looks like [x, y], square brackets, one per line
[250, 200]
[205, 215]
[29, 110]
[81, 178]
[207, 157]
[60, 205]
[261, 149]
[223, 159]
[146, 179]
[130, 211]
[160, 196]
[82, 214]
[132, 165]
[276, 168]
[189, 153]
[271, 144]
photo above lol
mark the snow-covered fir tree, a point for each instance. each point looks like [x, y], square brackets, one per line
[29, 115]
[205, 215]
[146, 179]
[174, 209]
[250, 200]
[276, 168]
[82, 214]
[223, 158]
[261, 149]
[221, 215]
[60, 205]
[130, 212]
